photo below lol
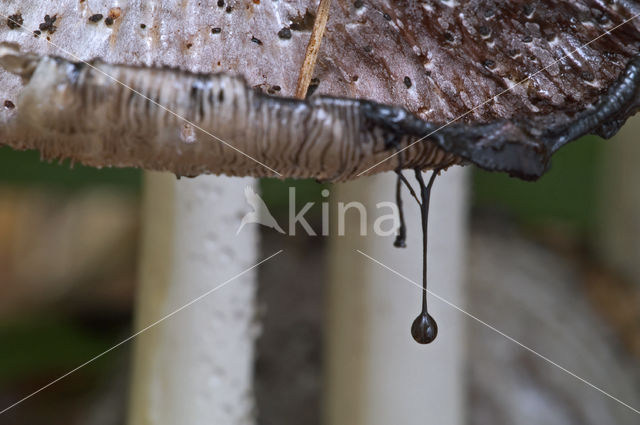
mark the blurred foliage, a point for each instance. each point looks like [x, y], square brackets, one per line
[566, 194]
[37, 347]
[275, 193]
[43, 346]
[25, 168]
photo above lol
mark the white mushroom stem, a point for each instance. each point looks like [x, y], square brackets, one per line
[376, 373]
[619, 228]
[196, 367]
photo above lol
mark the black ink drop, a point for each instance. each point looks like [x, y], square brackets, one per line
[284, 33]
[47, 25]
[15, 21]
[401, 237]
[424, 328]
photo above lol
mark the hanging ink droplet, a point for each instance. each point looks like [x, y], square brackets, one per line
[424, 329]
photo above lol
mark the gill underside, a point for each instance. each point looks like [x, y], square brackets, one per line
[191, 124]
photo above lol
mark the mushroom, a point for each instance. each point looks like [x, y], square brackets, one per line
[502, 86]
[414, 85]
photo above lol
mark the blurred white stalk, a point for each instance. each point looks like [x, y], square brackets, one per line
[196, 367]
[376, 374]
[619, 220]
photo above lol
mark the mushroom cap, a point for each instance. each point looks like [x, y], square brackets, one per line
[458, 55]
[552, 63]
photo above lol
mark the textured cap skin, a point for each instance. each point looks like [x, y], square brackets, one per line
[459, 54]
[438, 59]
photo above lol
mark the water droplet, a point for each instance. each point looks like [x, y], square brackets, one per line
[424, 328]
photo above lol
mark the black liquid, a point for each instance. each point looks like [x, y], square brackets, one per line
[401, 237]
[424, 328]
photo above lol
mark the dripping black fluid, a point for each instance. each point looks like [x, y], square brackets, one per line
[424, 328]
[401, 238]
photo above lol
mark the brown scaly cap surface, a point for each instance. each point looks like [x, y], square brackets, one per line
[437, 59]
[459, 54]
